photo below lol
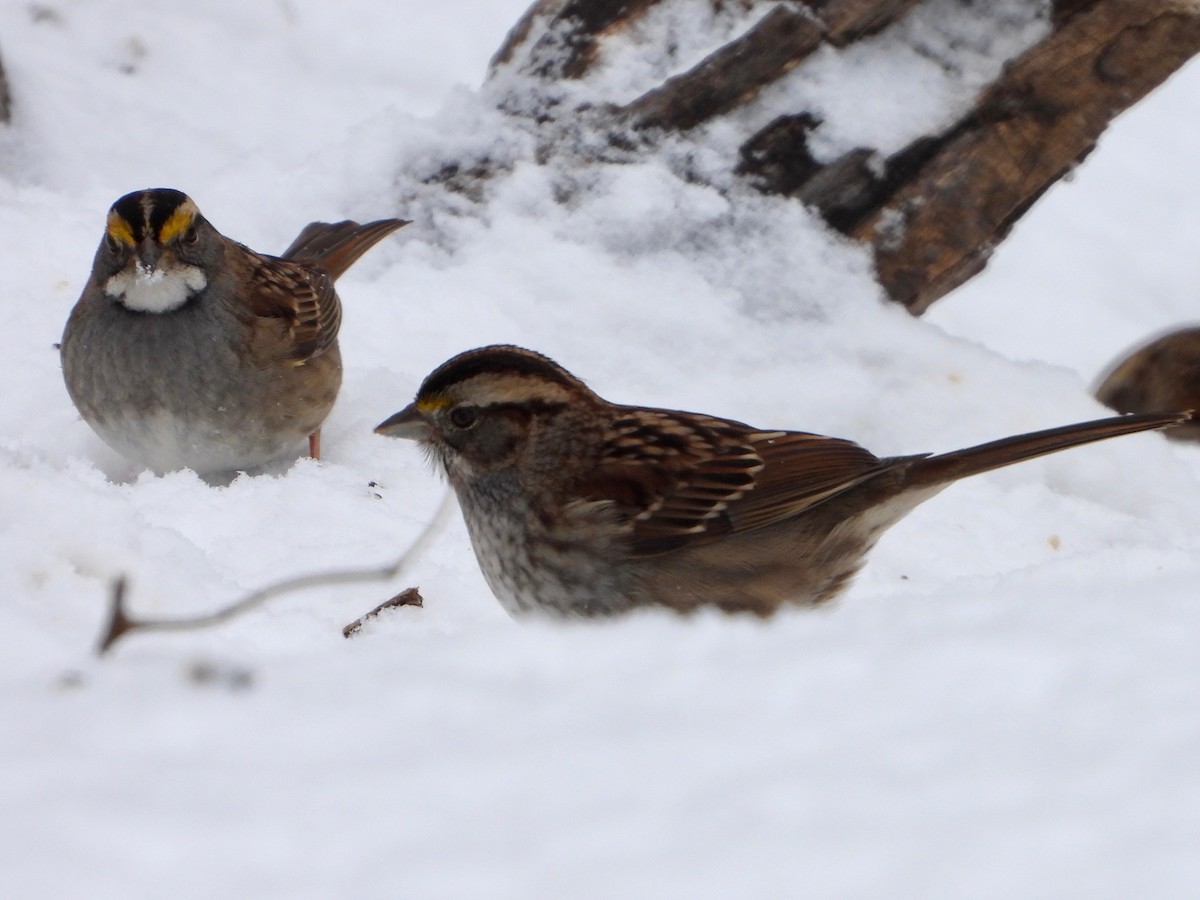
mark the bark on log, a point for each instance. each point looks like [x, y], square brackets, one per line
[564, 36]
[1033, 126]
[933, 212]
[733, 75]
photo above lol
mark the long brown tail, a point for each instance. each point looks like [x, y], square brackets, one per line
[336, 246]
[948, 467]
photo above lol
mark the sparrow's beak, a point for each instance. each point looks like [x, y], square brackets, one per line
[408, 424]
[148, 254]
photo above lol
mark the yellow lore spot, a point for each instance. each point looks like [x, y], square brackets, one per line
[119, 230]
[179, 222]
[434, 403]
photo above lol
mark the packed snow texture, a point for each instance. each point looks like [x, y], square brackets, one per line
[1003, 704]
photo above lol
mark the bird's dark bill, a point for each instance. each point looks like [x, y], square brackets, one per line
[408, 424]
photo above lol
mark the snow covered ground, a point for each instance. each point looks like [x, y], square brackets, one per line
[1004, 704]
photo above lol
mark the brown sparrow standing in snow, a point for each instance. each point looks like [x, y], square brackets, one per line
[583, 507]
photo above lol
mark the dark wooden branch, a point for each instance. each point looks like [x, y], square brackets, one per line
[1033, 126]
[933, 212]
[848, 20]
[569, 34]
[1065, 9]
[733, 75]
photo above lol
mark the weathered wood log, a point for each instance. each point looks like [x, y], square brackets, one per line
[849, 20]
[933, 212]
[733, 75]
[1029, 129]
[563, 37]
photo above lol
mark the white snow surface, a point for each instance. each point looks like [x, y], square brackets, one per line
[1004, 703]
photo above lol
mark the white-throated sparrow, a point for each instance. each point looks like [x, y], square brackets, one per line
[1163, 374]
[580, 506]
[189, 350]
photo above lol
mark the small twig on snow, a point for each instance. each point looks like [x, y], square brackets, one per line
[121, 622]
[407, 597]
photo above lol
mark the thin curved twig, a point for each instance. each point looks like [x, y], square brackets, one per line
[121, 622]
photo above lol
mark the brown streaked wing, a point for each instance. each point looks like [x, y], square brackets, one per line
[677, 479]
[305, 297]
[801, 470]
[668, 475]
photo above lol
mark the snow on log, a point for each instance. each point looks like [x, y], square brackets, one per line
[933, 199]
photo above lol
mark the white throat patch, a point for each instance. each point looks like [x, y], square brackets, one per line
[153, 290]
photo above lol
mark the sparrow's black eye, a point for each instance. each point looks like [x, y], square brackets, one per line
[464, 416]
[111, 243]
[191, 236]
